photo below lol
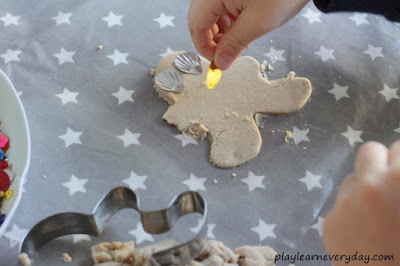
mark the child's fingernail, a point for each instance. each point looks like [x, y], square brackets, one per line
[224, 61]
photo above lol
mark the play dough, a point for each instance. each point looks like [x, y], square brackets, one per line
[226, 114]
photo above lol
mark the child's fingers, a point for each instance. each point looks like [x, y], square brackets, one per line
[371, 160]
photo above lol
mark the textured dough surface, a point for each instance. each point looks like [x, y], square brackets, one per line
[226, 114]
[215, 253]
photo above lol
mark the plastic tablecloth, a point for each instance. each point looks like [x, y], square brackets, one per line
[95, 122]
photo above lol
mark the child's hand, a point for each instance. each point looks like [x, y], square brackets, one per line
[221, 29]
[366, 216]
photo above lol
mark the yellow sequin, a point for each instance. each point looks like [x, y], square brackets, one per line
[8, 194]
[213, 76]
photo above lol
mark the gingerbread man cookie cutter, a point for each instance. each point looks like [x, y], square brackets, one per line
[226, 114]
[154, 222]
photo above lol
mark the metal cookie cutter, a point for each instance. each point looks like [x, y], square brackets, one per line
[154, 222]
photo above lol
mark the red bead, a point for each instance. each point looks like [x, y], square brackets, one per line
[4, 142]
[3, 164]
[4, 181]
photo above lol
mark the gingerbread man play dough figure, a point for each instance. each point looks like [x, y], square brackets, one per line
[226, 114]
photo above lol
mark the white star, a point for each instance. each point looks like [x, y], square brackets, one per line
[167, 52]
[118, 57]
[210, 229]
[254, 181]
[11, 55]
[164, 20]
[312, 16]
[129, 138]
[353, 135]
[15, 235]
[359, 18]
[318, 225]
[275, 55]
[80, 237]
[123, 95]
[311, 180]
[299, 135]
[374, 52]
[339, 91]
[195, 183]
[135, 181]
[74, 185]
[113, 19]
[71, 137]
[68, 96]
[64, 56]
[62, 18]
[397, 129]
[140, 235]
[186, 139]
[264, 230]
[20, 93]
[9, 19]
[325, 54]
[389, 93]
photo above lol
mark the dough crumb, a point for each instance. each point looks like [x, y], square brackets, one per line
[275, 58]
[270, 68]
[66, 258]
[100, 47]
[215, 181]
[288, 136]
[273, 131]
[25, 260]
[304, 148]
[233, 174]
[153, 72]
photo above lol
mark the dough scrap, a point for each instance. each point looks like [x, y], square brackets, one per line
[215, 253]
[226, 114]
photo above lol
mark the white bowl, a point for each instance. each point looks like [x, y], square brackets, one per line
[15, 126]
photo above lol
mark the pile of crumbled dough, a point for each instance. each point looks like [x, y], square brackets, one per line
[215, 253]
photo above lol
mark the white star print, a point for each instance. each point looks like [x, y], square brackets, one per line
[264, 230]
[15, 235]
[141, 235]
[299, 135]
[311, 181]
[71, 137]
[135, 181]
[318, 225]
[113, 19]
[20, 93]
[80, 237]
[210, 229]
[186, 139]
[389, 93]
[123, 95]
[359, 18]
[325, 54]
[11, 55]
[353, 135]
[195, 183]
[129, 138]
[275, 55]
[64, 56]
[75, 185]
[339, 91]
[167, 52]
[9, 19]
[254, 181]
[397, 129]
[118, 57]
[374, 52]
[62, 18]
[68, 96]
[164, 20]
[312, 16]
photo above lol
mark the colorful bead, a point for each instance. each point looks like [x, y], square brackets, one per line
[3, 164]
[4, 142]
[8, 194]
[4, 181]
[1, 155]
[2, 218]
